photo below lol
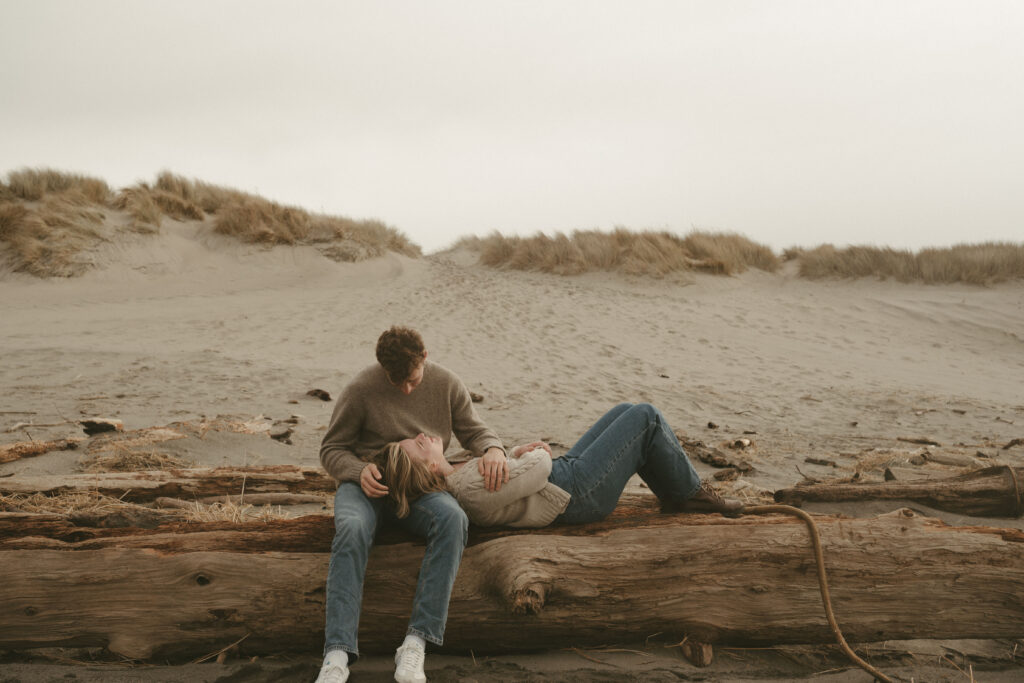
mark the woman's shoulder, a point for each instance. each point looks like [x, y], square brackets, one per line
[465, 475]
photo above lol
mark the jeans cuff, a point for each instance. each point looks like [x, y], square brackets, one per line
[353, 653]
[425, 636]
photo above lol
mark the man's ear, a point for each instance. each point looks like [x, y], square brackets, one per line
[424, 354]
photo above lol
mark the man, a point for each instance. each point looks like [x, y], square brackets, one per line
[402, 395]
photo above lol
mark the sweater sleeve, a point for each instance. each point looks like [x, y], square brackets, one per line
[469, 429]
[531, 474]
[491, 508]
[336, 451]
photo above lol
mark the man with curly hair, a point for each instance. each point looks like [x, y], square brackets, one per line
[402, 394]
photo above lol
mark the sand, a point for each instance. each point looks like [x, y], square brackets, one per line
[187, 326]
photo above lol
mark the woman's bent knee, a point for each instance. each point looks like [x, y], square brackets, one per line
[648, 410]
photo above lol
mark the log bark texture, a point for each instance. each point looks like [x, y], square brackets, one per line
[988, 492]
[745, 581]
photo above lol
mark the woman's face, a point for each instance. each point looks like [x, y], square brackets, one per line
[426, 449]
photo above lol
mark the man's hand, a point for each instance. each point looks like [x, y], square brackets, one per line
[519, 451]
[369, 480]
[494, 468]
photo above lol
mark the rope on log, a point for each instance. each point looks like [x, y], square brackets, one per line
[826, 597]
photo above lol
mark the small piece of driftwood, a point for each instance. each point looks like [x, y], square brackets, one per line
[919, 440]
[28, 449]
[988, 492]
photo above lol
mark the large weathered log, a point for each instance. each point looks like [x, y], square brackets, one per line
[312, 533]
[183, 483]
[989, 492]
[743, 581]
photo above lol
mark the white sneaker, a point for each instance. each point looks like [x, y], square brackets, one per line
[332, 672]
[409, 664]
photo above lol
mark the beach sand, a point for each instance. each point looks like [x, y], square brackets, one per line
[187, 326]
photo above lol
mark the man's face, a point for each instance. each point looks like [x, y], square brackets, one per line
[412, 382]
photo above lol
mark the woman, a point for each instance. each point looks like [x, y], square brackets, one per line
[582, 486]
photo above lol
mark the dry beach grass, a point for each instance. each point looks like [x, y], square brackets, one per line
[977, 264]
[625, 251]
[50, 220]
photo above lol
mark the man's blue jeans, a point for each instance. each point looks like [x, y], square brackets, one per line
[434, 516]
[629, 439]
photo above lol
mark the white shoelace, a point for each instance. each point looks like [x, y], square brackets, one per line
[410, 659]
[332, 674]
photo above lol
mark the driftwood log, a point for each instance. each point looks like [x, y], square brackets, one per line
[184, 590]
[187, 484]
[989, 492]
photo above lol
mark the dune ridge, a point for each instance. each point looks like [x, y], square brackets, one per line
[59, 224]
[53, 223]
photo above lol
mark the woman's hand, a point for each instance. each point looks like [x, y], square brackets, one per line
[518, 451]
[369, 480]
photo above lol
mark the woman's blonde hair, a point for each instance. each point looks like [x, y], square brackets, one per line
[406, 479]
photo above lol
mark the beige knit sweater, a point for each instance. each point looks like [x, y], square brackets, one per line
[372, 412]
[527, 500]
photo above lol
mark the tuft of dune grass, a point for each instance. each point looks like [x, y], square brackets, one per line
[207, 196]
[32, 184]
[736, 252]
[625, 251]
[45, 238]
[978, 264]
[50, 220]
[147, 206]
[254, 219]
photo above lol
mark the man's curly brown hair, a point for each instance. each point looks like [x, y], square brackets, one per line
[400, 350]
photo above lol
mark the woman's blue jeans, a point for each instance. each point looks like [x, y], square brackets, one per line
[434, 516]
[629, 439]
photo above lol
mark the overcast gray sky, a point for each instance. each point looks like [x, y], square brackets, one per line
[795, 123]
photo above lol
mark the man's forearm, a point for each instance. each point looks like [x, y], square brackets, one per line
[341, 465]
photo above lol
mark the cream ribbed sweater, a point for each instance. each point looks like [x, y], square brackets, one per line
[527, 500]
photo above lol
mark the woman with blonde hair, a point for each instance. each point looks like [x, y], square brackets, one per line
[582, 486]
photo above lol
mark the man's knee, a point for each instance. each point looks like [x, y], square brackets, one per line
[355, 520]
[353, 530]
[450, 521]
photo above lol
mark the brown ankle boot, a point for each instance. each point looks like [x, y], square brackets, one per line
[706, 499]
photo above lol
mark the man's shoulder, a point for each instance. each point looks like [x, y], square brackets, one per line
[440, 375]
[368, 378]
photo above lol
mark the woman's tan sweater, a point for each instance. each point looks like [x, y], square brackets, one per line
[528, 499]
